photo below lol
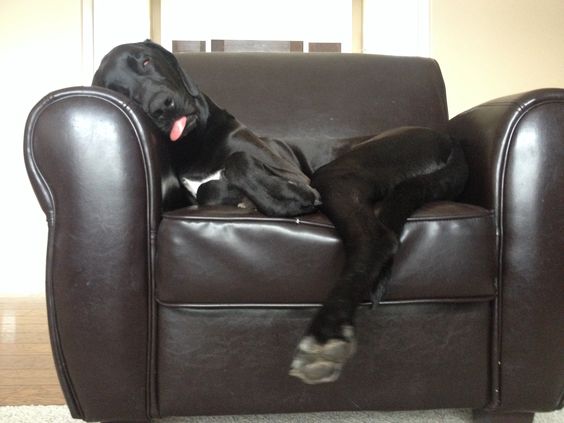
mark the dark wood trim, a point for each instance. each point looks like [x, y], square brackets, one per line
[324, 47]
[217, 45]
[269, 46]
[185, 46]
[297, 46]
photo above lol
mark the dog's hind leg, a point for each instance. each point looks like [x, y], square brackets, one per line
[370, 243]
[330, 339]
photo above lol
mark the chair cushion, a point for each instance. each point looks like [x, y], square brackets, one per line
[231, 256]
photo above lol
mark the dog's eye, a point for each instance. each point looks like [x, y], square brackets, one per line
[146, 62]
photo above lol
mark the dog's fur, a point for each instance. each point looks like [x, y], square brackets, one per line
[403, 168]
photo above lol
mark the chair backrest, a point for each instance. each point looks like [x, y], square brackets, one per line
[313, 96]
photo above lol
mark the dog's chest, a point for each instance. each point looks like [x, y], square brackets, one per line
[192, 185]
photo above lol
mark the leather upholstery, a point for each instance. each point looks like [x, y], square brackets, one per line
[224, 256]
[93, 163]
[104, 181]
[233, 360]
[308, 98]
[516, 150]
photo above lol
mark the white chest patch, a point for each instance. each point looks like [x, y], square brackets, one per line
[192, 185]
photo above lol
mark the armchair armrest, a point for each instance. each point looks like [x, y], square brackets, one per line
[98, 171]
[515, 151]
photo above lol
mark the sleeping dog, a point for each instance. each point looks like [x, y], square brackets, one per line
[221, 161]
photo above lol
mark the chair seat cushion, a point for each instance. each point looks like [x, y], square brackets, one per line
[231, 256]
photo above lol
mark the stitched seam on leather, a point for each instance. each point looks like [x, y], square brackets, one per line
[412, 220]
[126, 110]
[520, 113]
[51, 302]
[31, 152]
[498, 309]
[489, 214]
[266, 219]
[450, 300]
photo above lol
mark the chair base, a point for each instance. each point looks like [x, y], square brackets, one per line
[486, 416]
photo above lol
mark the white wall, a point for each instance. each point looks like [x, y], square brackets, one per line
[40, 50]
[118, 22]
[489, 48]
[289, 20]
[397, 27]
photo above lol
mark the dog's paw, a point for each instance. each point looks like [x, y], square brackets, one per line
[316, 362]
[288, 200]
[299, 198]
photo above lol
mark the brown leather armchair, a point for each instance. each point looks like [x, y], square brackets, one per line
[157, 308]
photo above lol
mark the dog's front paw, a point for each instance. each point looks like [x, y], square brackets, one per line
[301, 198]
[220, 192]
[316, 362]
[288, 199]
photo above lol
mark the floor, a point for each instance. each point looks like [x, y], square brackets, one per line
[27, 372]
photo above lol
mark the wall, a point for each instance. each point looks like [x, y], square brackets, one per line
[110, 14]
[40, 45]
[289, 20]
[42, 50]
[398, 27]
[489, 49]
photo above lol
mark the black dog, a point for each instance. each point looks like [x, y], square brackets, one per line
[403, 168]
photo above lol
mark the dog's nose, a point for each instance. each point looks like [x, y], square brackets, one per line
[169, 103]
[160, 104]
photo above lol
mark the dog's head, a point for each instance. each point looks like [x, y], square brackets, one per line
[152, 77]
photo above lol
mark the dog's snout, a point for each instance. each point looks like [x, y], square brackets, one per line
[161, 103]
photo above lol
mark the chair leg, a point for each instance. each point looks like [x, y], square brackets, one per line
[487, 416]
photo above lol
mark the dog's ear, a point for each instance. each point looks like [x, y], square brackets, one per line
[189, 84]
[98, 80]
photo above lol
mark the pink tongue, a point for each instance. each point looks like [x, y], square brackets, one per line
[177, 128]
